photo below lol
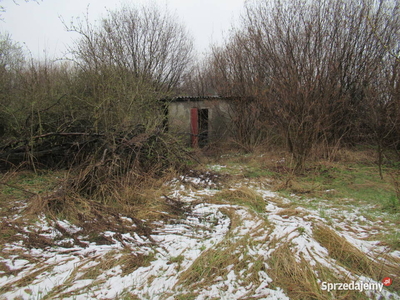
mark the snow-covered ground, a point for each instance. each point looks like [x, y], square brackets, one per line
[173, 251]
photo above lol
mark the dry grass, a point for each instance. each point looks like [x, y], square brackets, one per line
[136, 200]
[125, 179]
[344, 252]
[242, 196]
[127, 260]
[355, 260]
[143, 200]
[229, 255]
[130, 262]
[207, 267]
[282, 203]
[25, 280]
[289, 212]
[355, 156]
[216, 263]
[299, 279]
[8, 231]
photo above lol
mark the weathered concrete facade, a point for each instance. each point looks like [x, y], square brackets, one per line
[200, 121]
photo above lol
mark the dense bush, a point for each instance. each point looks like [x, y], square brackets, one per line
[322, 73]
[55, 113]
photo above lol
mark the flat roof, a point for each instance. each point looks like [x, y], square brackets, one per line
[199, 98]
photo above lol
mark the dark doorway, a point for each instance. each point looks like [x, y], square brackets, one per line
[203, 127]
[199, 127]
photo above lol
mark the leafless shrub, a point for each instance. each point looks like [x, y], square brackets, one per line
[311, 65]
[99, 115]
[121, 68]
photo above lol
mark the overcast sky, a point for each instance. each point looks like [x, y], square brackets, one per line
[38, 26]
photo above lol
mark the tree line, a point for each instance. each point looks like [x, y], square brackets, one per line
[311, 76]
[117, 71]
[96, 113]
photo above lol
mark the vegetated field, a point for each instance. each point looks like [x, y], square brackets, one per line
[236, 227]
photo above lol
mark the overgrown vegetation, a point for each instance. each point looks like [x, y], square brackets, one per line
[317, 106]
[254, 248]
[98, 116]
[311, 76]
[100, 113]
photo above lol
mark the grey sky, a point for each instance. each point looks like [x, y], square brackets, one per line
[38, 26]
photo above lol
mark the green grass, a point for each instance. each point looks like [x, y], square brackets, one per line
[190, 296]
[21, 185]
[393, 240]
[254, 172]
[391, 204]
[353, 182]
[350, 186]
[356, 184]
[177, 260]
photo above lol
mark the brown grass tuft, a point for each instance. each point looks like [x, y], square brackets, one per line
[291, 212]
[377, 267]
[299, 279]
[243, 196]
[344, 252]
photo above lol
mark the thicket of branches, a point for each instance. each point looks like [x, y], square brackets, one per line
[321, 73]
[309, 75]
[98, 113]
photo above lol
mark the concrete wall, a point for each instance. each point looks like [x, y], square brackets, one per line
[219, 118]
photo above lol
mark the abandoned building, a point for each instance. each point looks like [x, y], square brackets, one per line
[200, 121]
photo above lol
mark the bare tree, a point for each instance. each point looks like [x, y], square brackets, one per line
[3, 8]
[197, 81]
[11, 63]
[102, 110]
[235, 72]
[133, 58]
[382, 105]
[311, 63]
[145, 41]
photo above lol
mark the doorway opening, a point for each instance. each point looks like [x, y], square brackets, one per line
[203, 127]
[199, 127]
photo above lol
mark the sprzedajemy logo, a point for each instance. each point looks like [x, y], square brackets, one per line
[387, 281]
[356, 285]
